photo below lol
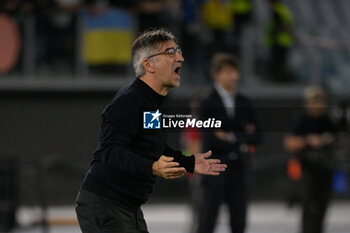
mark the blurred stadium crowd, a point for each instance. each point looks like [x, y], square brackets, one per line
[65, 37]
[277, 40]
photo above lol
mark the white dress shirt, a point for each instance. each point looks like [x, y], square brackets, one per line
[227, 99]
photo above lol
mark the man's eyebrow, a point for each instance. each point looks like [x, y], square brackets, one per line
[177, 47]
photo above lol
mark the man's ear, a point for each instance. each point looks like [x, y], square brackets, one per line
[148, 65]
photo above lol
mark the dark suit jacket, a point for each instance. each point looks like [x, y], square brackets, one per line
[211, 106]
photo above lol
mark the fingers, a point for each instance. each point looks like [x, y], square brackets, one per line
[207, 154]
[174, 173]
[175, 176]
[214, 161]
[166, 158]
[171, 164]
[214, 169]
[218, 167]
[175, 170]
[166, 162]
[166, 168]
[212, 173]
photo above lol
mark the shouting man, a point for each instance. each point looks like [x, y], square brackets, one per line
[129, 157]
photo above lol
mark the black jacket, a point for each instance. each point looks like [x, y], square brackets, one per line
[211, 106]
[122, 164]
[316, 159]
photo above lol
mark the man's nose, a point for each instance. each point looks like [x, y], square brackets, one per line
[179, 57]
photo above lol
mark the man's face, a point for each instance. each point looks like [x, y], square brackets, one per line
[167, 68]
[227, 77]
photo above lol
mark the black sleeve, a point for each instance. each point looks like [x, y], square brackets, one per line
[185, 161]
[255, 137]
[120, 124]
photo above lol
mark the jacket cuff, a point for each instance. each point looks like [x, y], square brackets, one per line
[188, 163]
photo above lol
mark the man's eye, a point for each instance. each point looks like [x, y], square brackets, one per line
[171, 51]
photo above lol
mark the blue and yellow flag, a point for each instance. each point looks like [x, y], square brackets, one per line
[107, 37]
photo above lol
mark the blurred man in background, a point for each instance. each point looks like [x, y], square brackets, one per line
[312, 140]
[233, 144]
[130, 156]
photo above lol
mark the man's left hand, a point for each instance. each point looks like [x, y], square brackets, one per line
[205, 166]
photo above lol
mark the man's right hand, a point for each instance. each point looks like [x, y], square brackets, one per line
[166, 168]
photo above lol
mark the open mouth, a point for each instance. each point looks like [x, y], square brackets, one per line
[177, 70]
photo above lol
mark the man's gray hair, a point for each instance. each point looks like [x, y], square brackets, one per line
[146, 45]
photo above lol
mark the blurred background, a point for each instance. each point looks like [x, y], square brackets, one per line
[61, 61]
